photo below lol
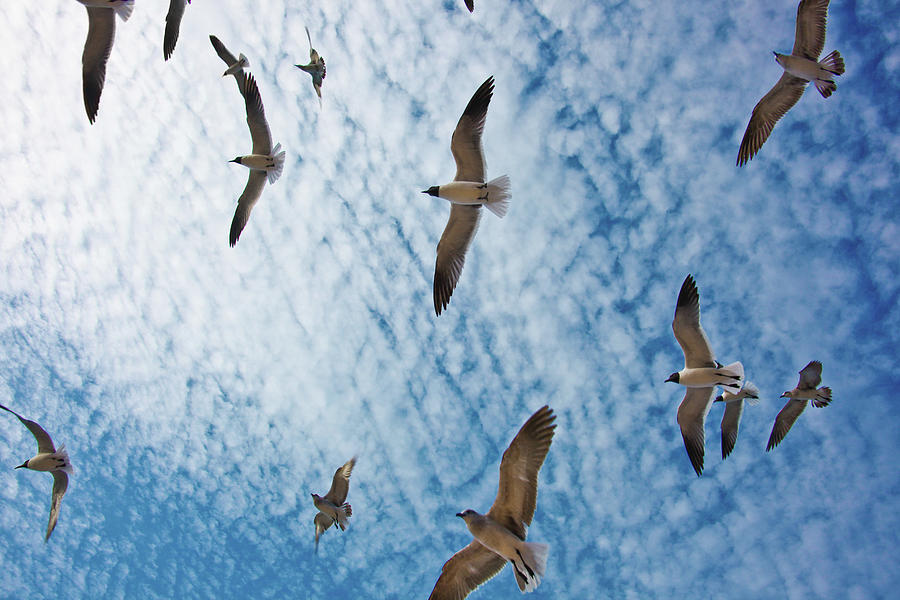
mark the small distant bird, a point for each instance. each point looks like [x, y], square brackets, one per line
[701, 373]
[316, 68]
[734, 407]
[333, 510]
[467, 193]
[470, 4]
[801, 66]
[500, 534]
[265, 162]
[50, 459]
[173, 22]
[236, 66]
[810, 377]
[98, 46]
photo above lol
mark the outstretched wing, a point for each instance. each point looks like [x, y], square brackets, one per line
[97, 48]
[692, 418]
[783, 95]
[340, 485]
[784, 421]
[810, 376]
[45, 444]
[173, 24]
[687, 329]
[809, 38]
[466, 141]
[60, 483]
[465, 571]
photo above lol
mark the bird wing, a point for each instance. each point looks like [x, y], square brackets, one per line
[470, 4]
[60, 483]
[691, 418]
[687, 328]
[466, 141]
[222, 51]
[323, 522]
[341, 483]
[730, 422]
[256, 117]
[252, 191]
[784, 421]
[310, 42]
[45, 444]
[173, 23]
[783, 95]
[97, 47]
[809, 39]
[451, 251]
[517, 493]
[810, 376]
[465, 571]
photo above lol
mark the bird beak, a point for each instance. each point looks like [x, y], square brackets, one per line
[234, 160]
[20, 466]
[671, 378]
[459, 514]
[424, 191]
[785, 395]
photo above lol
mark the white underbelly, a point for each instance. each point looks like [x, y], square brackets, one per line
[699, 378]
[261, 162]
[463, 192]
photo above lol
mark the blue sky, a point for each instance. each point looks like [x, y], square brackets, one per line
[204, 391]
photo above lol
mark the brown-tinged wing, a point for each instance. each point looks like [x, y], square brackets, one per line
[451, 251]
[783, 95]
[465, 571]
[687, 329]
[517, 493]
[784, 421]
[691, 418]
[340, 485]
[60, 483]
[45, 444]
[466, 141]
[256, 116]
[97, 48]
[809, 38]
[810, 376]
[731, 420]
[173, 24]
[256, 181]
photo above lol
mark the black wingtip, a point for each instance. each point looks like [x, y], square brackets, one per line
[688, 293]
[481, 98]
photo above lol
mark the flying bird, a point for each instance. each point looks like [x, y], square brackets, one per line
[50, 459]
[810, 377]
[500, 534]
[265, 161]
[734, 407]
[333, 510]
[173, 23]
[236, 66]
[98, 46]
[467, 193]
[801, 66]
[316, 68]
[701, 373]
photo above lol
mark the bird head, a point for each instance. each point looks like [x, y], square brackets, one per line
[674, 378]
[466, 514]
[316, 496]
[779, 58]
[237, 160]
[432, 191]
[23, 465]
[787, 394]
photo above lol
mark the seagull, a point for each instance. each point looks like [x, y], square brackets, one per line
[701, 373]
[467, 193]
[734, 407]
[470, 4]
[801, 66]
[500, 534]
[173, 22]
[235, 65]
[50, 459]
[316, 68]
[265, 162]
[98, 46]
[332, 508]
[810, 377]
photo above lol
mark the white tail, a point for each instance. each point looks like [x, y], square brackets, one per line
[275, 172]
[751, 393]
[731, 377]
[498, 196]
[64, 455]
[124, 10]
[529, 567]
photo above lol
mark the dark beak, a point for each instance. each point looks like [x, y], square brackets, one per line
[672, 379]
[424, 191]
[20, 466]
[234, 160]
[459, 514]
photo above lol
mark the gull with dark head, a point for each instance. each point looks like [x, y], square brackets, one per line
[264, 163]
[49, 459]
[810, 377]
[333, 510]
[801, 66]
[701, 373]
[500, 533]
[316, 68]
[467, 193]
[98, 46]
[173, 24]
[734, 407]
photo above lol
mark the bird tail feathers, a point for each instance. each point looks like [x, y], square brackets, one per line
[498, 196]
[344, 513]
[124, 10]
[275, 172]
[833, 63]
[730, 377]
[530, 565]
[823, 397]
[751, 393]
[62, 454]
[826, 87]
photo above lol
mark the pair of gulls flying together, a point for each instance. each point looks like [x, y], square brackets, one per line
[467, 193]
[333, 508]
[49, 459]
[801, 66]
[499, 535]
[265, 161]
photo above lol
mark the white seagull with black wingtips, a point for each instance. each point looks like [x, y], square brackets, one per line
[801, 66]
[701, 373]
[49, 459]
[264, 163]
[810, 377]
[500, 534]
[98, 46]
[467, 193]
